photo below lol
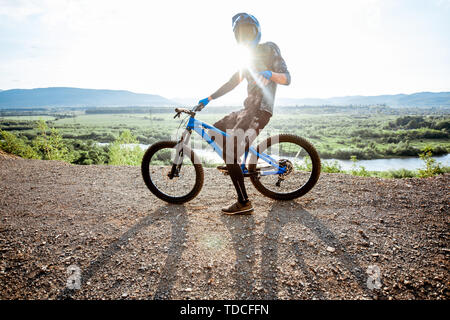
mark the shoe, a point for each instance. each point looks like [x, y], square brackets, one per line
[239, 208]
[223, 169]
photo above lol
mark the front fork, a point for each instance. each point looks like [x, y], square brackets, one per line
[179, 154]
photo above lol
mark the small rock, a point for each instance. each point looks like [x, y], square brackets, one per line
[331, 249]
[364, 244]
[142, 268]
[363, 234]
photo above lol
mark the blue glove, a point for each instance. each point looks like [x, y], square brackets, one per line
[204, 102]
[266, 74]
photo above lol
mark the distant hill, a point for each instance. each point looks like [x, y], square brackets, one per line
[421, 99]
[76, 97]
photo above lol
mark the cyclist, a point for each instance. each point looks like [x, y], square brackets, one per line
[267, 69]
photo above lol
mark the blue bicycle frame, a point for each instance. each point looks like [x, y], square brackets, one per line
[200, 126]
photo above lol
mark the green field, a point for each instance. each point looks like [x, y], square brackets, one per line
[337, 132]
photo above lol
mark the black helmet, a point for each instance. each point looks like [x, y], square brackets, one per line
[246, 29]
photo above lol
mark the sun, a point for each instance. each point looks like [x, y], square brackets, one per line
[243, 57]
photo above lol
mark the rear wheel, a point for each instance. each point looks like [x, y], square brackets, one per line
[156, 167]
[297, 156]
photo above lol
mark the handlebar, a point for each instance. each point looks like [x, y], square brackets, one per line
[179, 111]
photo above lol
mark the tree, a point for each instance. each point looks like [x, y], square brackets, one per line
[52, 147]
[14, 145]
[125, 151]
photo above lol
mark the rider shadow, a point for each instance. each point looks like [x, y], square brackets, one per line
[243, 239]
[168, 273]
[178, 220]
[281, 215]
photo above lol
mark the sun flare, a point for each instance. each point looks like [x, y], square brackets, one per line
[243, 57]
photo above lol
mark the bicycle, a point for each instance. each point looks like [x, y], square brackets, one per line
[174, 173]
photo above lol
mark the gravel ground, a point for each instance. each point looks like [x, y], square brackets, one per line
[100, 224]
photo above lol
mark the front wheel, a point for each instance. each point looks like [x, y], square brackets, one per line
[300, 160]
[179, 187]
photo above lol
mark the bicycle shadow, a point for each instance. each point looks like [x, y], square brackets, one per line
[278, 217]
[178, 220]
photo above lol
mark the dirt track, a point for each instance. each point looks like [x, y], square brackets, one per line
[128, 244]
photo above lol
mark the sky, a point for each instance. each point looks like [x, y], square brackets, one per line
[186, 49]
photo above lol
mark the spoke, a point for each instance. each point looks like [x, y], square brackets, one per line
[290, 154]
[160, 166]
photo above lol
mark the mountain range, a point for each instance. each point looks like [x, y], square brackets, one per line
[76, 97]
[420, 99]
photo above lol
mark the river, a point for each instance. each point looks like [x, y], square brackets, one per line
[409, 163]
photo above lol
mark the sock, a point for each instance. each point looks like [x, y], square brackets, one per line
[236, 175]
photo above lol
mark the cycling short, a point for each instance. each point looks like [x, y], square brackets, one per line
[247, 118]
[243, 126]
